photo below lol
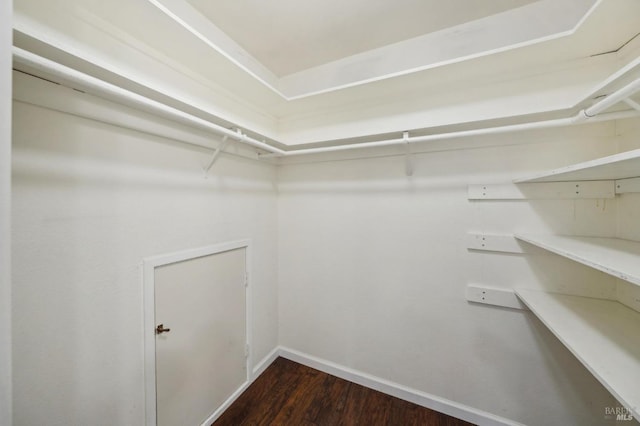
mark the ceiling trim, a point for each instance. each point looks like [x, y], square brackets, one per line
[535, 23]
[198, 25]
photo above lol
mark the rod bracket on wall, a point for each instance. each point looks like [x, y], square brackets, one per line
[408, 163]
[633, 104]
[223, 145]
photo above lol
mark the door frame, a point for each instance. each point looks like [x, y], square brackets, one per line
[149, 264]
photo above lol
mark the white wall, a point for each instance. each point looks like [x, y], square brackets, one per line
[90, 201]
[630, 203]
[5, 212]
[629, 210]
[373, 270]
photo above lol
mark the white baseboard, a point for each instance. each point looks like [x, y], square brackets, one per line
[257, 371]
[423, 399]
[265, 362]
[451, 408]
[213, 417]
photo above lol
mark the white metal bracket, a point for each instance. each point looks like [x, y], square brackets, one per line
[493, 242]
[633, 104]
[216, 154]
[544, 190]
[624, 186]
[408, 163]
[494, 296]
[223, 145]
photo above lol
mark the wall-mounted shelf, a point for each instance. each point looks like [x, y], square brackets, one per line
[602, 334]
[614, 256]
[614, 167]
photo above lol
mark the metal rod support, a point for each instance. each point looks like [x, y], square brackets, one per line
[223, 145]
[408, 164]
[633, 104]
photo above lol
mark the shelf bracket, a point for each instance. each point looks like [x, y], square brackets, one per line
[502, 297]
[624, 186]
[408, 163]
[544, 190]
[494, 242]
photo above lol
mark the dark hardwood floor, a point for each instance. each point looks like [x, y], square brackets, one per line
[288, 393]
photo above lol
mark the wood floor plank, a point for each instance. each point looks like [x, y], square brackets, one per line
[354, 406]
[294, 410]
[329, 401]
[278, 394]
[288, 393]
[260, 402]
[376, 409]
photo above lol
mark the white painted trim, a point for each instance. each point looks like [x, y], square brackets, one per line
[265, 363]
[429, 51]
[193, 21]
[148, 282]
[451, 408]
[6, 387]
[470, 40]
[226, 404]
[248, 265]
[257, 371]
[443, 405]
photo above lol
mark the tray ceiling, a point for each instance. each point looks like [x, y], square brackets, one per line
[299, 49]
[289, 36]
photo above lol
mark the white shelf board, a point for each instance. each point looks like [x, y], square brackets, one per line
[614, 256]
[619, 166]
[602, 334]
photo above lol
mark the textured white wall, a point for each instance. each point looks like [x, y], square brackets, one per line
[90, 201]
[630, 203]
[373, 270]
[372, 264]
[629, 210]
[5, 212]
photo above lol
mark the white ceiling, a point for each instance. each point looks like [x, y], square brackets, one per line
[299, 51]
[288, 36]
[544, 56]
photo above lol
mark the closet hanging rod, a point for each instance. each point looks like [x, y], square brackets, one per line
[613, 98]
[559, 122]
[101, 88]
[592, 114]
[110, 91]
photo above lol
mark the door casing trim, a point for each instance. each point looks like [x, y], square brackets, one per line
[149, 324]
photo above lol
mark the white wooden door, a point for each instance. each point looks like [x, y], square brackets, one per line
[201, 361]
